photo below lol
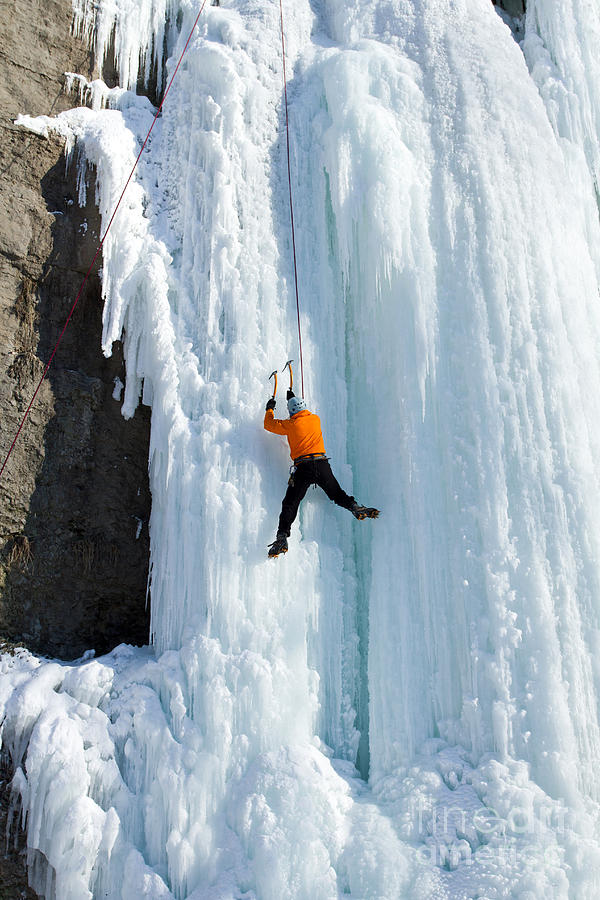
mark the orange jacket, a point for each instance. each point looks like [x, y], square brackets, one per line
[303, 432]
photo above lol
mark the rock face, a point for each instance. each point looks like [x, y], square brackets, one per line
[74, 497]
[512, 7]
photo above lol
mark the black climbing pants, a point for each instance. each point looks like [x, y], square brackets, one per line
[312, 471]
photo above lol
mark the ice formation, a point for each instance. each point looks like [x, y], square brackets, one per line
[445, 181]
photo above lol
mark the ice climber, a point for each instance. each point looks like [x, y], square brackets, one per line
[311, 466]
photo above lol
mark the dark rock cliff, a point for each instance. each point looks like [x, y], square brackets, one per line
[74, 497]
[512, 7]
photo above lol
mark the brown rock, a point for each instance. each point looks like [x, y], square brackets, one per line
[74, 497]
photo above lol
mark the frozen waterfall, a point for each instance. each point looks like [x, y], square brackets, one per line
[401, 709]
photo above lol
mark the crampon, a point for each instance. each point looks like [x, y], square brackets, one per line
[365, 512]
[278, 546]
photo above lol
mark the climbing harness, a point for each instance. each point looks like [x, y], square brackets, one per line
[289, 168]
[103, 238]
[308, 457]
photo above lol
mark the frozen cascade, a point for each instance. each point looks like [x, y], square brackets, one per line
[448, 244]
[561, 47]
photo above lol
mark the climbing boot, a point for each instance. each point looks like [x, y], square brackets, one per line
[278, 546]
[364, 512]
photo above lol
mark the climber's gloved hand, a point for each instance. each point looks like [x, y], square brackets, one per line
[290, 394]
[270, 403]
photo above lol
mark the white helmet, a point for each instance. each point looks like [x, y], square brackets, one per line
[296, 405]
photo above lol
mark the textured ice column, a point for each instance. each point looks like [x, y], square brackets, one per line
[561, 46]
[475, 376]
[138, 35]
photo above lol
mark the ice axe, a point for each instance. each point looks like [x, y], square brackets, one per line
[274, 375]
[288, 365]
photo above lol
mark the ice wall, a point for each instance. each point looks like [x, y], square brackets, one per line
[561, 47]
[465, 390]
[447, 237]
[482, 436]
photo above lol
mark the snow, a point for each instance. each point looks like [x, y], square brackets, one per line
[447, 236]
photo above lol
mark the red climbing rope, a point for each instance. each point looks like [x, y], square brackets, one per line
[287, 138]
[103, 238]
